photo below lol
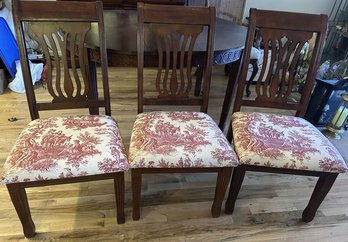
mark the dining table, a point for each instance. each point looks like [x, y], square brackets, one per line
[121, 42]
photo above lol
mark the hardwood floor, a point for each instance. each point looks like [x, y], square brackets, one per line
[174, 207]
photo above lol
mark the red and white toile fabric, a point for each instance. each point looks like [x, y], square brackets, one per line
[284, 142]
[179, 140]
[64, 147]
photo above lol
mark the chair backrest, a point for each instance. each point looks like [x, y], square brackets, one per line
[284, 35]
[61, 29]
[175, 30]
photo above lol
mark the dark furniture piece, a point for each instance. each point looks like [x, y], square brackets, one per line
[132, 4]
[60, 150]
[325, 100]
[121, 43]
[121, 27]
[278, 143]
[177, 141]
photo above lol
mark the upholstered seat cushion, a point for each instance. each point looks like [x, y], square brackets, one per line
[62, 147]
[178, 140]
[284, 142]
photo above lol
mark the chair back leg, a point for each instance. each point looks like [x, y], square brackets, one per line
[119, 193]
[236, 183]
[136, 192]
[321, 189]
[20, 202]
[223, 178]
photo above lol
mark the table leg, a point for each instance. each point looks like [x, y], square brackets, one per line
[232, 79]
[199, 77]
[253, 62]
[93, 94]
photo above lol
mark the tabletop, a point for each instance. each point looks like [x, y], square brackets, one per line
[121, 31]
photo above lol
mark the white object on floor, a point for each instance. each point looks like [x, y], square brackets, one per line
[255, 53]
[17, 85]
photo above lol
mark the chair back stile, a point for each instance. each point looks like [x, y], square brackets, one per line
[71, 78]
[282, 47]
[175, 41]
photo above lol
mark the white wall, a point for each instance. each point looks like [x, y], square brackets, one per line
[304, 6]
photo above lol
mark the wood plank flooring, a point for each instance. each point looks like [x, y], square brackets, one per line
[174, 207]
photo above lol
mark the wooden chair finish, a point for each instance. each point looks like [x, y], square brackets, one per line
[68, 53]
[173, 84]
[61, 28]
[290, 26]
[298, 28]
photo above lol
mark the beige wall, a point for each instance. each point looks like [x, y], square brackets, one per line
[304, 6]
[229, 9]
[239, 9]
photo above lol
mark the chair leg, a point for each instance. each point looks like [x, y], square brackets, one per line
[223, 178]
[229, 135]
[321, 189]
[236, 183]
[20, 202]
[119, 193]
[199, 77]
[136, 192]
[253, 62]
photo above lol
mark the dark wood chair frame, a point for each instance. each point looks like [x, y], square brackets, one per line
[34, 11]
[284, 22]
[177, 16]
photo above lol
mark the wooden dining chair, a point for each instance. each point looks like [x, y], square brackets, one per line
[268, 142]
[64, 149]
[176, 141]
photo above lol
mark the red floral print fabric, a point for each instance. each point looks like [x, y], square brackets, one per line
[61, 147]
[284, 142]
[179, 140]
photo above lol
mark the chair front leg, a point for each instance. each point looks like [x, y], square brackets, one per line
[236, 183]
[136, 192]
[20, 202]
[119, 193]
[223, 178]
[321, 189]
